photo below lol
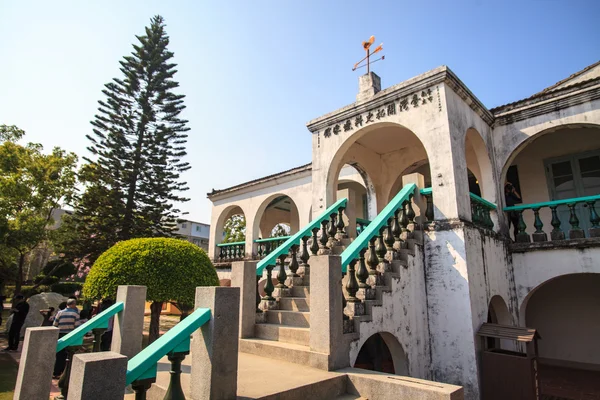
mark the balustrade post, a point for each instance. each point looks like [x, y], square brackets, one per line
[293, 267]
[362, 274]
[314, 246]
[396, 231]
[557, 233]
[352, 284]
[323, 249]
[411, 215]
[522, 236]
[304, 270]
[429, 209]
[175, 391]
[36, 363]
[281, 276]
[63, 382]
[381, 251]
[404, 224]
[341, 232]
[259, 250]
[97, 332]
[332, 230]
[243, 275]
[389, 236]
[141, 386]
[575, 232]
[372, 261]
[594, 230]
[269, 288]
[539, 235]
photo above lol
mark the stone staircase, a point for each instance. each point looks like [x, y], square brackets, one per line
[283, 333]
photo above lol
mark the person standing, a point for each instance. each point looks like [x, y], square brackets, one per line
[19, 312]
[47, 316]
[512, 198]
[66, 320]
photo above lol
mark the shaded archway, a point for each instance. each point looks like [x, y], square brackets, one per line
[276, 209]
[564, 310]
[547, 166]
[382, 352]
[355, 185]
[380, 150]
[479, 166]
[230, 219]
[498, 313]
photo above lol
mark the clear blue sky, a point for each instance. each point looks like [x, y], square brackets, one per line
[255, 72]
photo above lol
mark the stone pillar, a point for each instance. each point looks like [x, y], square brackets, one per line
[368, 86]
[243, 276]
[326, 309]
[129, 323]
[37, 361]
[350, 211]
[98, 376]
[215, 346]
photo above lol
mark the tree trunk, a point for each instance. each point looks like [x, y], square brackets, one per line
[19, 280]
[154, 332]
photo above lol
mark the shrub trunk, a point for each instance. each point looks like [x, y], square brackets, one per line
[155, 309]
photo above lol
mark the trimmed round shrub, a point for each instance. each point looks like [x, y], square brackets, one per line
[170, 269]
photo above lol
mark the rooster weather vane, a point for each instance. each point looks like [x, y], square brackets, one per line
[367, 47]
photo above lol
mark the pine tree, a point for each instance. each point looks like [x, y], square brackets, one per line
[132, 180]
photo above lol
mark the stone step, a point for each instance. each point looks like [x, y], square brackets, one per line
[282, 333]
[294, 303]
[294, 353]
[289, 317]
[301, 291]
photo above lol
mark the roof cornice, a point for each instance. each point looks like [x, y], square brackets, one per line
[438, 75]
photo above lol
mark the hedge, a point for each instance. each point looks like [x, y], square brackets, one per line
[66, 288]
[27, 290]
[171, 269]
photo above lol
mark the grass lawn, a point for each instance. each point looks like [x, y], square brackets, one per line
[8, 376]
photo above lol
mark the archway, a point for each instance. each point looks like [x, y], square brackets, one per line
[548, 166]
[230, 227]
[498, 313]
[380, 151]
[275, 210]
[382, 352]
[564, 310]
[479, 166]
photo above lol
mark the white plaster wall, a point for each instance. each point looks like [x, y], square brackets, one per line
[404, 315]
[565, 313]
[452, 337]
[533, 268]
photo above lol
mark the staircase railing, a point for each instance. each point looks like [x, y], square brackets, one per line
[557, 233]
[387, 220]
[141, 369]
[73, 341]
[265, 246]
[361, 224]
[231, 251]
[329, 222]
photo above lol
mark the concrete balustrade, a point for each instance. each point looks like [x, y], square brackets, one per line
[129, 323]
[98, 376]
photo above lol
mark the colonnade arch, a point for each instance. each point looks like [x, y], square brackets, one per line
[276, 209]
[383, 352]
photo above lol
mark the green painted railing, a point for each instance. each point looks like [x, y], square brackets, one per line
[306, 231]
[272, 239]
[176, 340]
[75, 337]
[361, 224]
[231, 251]
[373, 229]
[576, 232]
[230, 244]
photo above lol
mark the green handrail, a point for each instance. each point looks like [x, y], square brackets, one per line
[483, 202]
[426, 191]
[552, 203]
[363, 221]
[295, 239]
[177, 339]
[230, 244]
[362, 240]
[75, 337]
[272, 239]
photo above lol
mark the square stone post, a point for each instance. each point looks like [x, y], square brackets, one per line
[129, 323]
[214, 347]
[243, 276]
[37, 361]
[326, 308]
[98, 376]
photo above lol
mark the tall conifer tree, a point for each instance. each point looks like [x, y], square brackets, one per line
[138, 142]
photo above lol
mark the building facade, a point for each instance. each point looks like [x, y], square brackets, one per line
[194, 232]
[501, 228]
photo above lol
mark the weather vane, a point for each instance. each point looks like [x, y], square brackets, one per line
[367, 47]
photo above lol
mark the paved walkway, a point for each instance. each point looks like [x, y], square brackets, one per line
[558, 383]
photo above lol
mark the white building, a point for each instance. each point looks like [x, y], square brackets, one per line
[457, 265]
[194, 232]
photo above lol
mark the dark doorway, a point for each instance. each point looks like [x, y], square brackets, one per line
[375, 356]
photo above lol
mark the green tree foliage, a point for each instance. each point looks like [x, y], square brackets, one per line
[170, 269]
[133, 178]
[32, 185]
[280, 230]
[234, 229]
[60, 268]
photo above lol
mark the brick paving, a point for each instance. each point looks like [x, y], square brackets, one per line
[560, 383]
